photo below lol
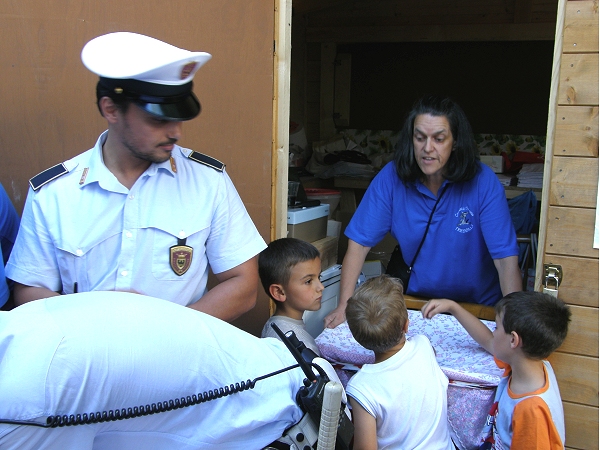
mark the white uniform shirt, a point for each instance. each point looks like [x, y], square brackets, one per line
[85, 227]
[99, 351]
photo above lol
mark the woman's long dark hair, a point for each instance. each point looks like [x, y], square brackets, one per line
[462, 164]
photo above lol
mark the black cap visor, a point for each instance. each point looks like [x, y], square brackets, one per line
[177, 103]
[183, 109]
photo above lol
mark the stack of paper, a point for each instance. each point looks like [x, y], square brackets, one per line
[531, 176]
[504, 179]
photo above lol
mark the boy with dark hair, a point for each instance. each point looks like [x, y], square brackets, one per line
[289, 271]
[400, 401]
[527, 411]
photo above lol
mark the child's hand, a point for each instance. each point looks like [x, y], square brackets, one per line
[437, 306]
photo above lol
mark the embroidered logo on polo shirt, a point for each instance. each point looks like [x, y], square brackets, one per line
[464, 216]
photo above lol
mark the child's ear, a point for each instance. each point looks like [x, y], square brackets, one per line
[277, 292]
[515, 340]
[406, 326]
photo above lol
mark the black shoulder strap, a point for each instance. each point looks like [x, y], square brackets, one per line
[47, 176]
[207, 161]
[427, 229]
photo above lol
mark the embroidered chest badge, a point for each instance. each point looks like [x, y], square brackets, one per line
[465, 220]
[180, 257]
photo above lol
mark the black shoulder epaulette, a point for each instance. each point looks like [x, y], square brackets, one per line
[47, 176]
[207, 161]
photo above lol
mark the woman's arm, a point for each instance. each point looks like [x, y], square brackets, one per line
[351, 268]
[509, 274]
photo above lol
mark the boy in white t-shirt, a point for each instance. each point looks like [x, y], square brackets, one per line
[400, 401]
[289, 271]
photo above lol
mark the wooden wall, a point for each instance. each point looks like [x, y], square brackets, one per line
[48, 97]
[569, 210]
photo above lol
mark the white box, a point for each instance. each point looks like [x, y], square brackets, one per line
[308, 224]
[494, 162]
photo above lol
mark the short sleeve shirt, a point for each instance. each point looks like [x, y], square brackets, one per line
[470, 228]
[86, 228]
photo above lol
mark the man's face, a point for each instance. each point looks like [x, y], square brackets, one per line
[147, 137]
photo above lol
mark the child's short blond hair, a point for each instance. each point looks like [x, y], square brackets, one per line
[377, 314]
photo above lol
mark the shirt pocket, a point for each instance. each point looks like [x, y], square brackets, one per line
[91, 264]
[188, 258]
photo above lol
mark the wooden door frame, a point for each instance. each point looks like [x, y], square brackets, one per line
[282, 63]
[549, 150]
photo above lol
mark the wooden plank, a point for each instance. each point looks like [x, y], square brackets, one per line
[582, 338]
[578, 79]
[576, 131]
[431, 33]
[281, 118]
[341, 106]
[577, 377]
[327, 127]
[581, 424]
[481, 311]
[523, 11]
[581, 27]
[574, 182]
[570, 231]
[579, 285]
[550, 132]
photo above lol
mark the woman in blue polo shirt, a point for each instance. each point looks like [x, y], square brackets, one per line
[470, 251]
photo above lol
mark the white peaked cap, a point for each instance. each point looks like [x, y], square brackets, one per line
[125, 55]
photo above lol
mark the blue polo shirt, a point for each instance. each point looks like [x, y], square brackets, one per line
[470, 228]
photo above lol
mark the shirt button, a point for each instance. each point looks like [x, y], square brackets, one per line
[79, 252]
[131, 196]
[124, 273]
[128, 234]
[181, 234]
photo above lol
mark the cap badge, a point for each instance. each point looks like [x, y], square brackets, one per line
[181, 257]
[188, 69]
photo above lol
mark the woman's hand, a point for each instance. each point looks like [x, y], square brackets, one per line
[335, 317]
[437, 306]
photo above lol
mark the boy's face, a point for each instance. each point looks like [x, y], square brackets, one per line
[502, 340]
[304, 290]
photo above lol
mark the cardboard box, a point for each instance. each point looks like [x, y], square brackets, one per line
[494, 162]
[372, 269]
[328, 247]
[308, 224]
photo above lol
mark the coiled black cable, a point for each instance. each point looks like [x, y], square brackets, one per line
[65, 420]
[146, 410]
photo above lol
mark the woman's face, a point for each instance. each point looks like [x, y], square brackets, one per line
[433, 144]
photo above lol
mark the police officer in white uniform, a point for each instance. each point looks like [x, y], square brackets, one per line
[137, 212]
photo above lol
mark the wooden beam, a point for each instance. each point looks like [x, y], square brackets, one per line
[281, 117]
[433, 33]
[550, 135]
[523, 10]
[310, 6]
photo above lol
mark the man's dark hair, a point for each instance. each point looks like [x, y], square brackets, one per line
[463, 162]
[275, 263]
[540, 320]
[120, 100]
